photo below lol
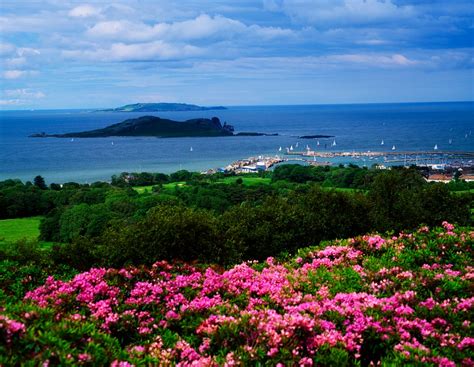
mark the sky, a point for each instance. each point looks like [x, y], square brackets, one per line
[74, 54]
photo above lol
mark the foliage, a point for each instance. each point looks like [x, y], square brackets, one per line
[403, 299]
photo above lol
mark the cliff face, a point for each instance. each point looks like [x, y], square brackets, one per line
[154, 126]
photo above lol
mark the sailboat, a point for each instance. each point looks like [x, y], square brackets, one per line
[436, 147]
[296, 145]
[450, 141]
[112, 143]
[72, 140]
[191, 149]
[307, 147]
[334, 143]
[393, 148]
[291, 147]
[279, 149]
[317, 143]
[382, 142]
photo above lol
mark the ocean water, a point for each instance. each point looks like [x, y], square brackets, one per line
[410, 127]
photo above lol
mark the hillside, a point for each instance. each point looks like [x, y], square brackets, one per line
[161, 107]
[403, 299]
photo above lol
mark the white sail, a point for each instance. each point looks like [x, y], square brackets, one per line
[393, 148]
[296, 145]
[334, 143]
[317, 143]
[382, 142]
[436, 147]
[191, 149]
[450, 141]
[291, 147]
[279, 149]
[72, 140]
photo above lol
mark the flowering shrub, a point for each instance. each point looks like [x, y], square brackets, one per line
[405, 299]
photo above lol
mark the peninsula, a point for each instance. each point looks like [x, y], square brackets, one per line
[154, 126]
[161, 107]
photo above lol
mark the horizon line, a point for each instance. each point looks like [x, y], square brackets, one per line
[242, 105]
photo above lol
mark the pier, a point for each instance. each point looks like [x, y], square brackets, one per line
[409, 154]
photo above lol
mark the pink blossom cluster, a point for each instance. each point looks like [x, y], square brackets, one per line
[282, 311]
[9, 329]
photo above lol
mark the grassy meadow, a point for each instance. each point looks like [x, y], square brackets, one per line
[12, 230]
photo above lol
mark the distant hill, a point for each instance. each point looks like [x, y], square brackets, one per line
[161, 107]
[154, 126]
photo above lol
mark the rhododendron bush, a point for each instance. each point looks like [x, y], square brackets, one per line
[404, 299]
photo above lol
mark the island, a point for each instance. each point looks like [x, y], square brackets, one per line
[161, 107]
[154, 126]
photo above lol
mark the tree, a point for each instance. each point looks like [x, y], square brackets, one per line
[167, 232]
[39, 182]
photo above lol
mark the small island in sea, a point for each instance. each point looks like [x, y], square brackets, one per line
[161, 107]
[154, 126]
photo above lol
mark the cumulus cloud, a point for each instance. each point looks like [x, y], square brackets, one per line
[201, 27]
[157, 50]
[84, 11]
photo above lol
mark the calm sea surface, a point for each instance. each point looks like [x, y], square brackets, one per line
[356, 127]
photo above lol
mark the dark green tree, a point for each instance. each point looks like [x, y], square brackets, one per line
[39, 182]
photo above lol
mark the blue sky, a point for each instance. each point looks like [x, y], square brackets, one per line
[74, 54]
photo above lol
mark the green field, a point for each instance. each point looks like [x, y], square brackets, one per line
[12, 230]
[471, 191]
[249, 181]
[168, 186]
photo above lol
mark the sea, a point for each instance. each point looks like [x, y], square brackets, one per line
[356, 127]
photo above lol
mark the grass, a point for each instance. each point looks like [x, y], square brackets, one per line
[471, 191]
[168, 186]
[249, 181]
[12, 230]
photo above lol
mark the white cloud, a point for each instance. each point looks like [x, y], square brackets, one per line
[372, 42]
[10, 102]
[333, 13]
[24, 93]
[201, 27]
[84, 11]
[157, 50]
[15, 74]
[28, 51]
[373, 60]
[306, 65]
[15, 62]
